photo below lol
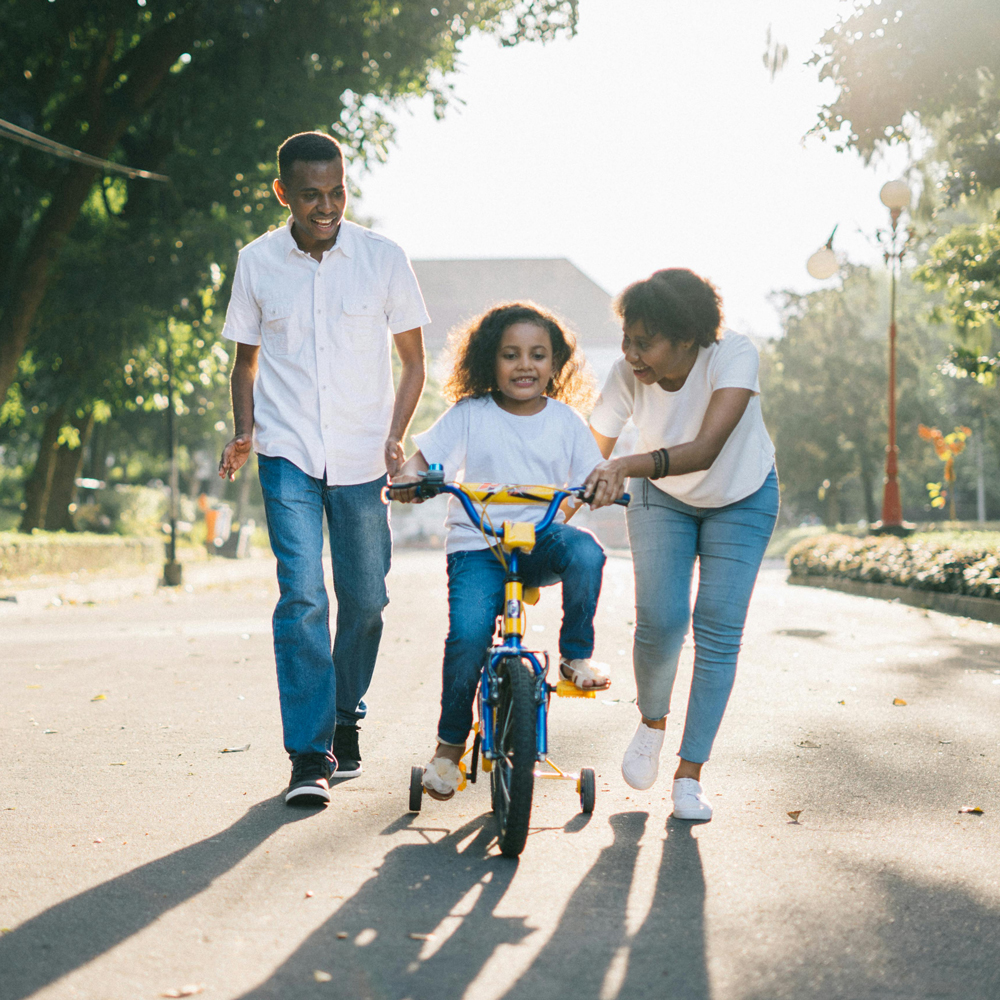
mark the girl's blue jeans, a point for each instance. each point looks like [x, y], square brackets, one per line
[666, 537]
[319, 689]
[475, 598]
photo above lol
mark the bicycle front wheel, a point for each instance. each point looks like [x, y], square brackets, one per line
[512, 778]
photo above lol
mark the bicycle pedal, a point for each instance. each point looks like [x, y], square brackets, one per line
[567, 689]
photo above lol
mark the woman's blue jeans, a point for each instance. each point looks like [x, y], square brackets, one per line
[317, 689]
[666, 537]
[475, 598]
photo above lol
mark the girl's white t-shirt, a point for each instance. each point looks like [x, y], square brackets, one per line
[478, 442]
[664, 419]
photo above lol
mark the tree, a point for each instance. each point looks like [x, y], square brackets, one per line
[198, 91]
[823, 390]
[96, 271]
[913, 64]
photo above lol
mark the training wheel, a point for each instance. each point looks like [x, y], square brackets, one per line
[417, 787]
[588, 789]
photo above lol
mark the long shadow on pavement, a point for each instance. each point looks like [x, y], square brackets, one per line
[78, 930]
[448, 886]
[591, 953]
[930, 941]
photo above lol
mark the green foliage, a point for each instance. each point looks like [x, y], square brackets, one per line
[964, 265]
[824, 397]
[106, 270]
[918, 62]
[967, 563]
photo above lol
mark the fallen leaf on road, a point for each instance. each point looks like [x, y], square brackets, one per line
[809, 745]
[184, 991]
[246, 746]
[322, 977]
[117, 763]
[99, 697]
[971, 809]
[795, 814]
[422, 937]
[841, 702]
[898, 701]
[341, 935]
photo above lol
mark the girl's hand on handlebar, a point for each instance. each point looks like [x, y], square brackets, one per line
[606, 483]
[405, 496]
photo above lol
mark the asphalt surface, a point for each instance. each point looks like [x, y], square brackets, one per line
[139, 859]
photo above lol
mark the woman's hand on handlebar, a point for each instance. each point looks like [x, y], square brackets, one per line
[606, 483]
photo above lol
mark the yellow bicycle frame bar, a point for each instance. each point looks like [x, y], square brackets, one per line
[499, 493]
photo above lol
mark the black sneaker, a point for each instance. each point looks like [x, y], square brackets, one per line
[345, 749]
[310, 782]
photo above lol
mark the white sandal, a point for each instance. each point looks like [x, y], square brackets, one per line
[587, 675]
[442, 778]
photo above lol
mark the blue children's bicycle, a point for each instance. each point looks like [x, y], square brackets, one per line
[511, 735]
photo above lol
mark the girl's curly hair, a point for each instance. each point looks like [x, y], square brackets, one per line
[474, 348]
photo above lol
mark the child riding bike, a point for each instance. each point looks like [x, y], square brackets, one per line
[516, 377]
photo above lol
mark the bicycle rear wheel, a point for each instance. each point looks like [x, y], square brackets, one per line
[512, 779]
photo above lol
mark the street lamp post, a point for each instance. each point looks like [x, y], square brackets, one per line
[895, 195]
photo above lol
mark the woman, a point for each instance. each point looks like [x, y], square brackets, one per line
[704, 487]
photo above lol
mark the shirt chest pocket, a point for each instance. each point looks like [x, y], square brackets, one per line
[363, 321]
[278, 326]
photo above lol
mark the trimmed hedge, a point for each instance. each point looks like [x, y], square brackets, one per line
[61, 552]
[954, 564]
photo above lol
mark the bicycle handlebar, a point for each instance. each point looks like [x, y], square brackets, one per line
[432, 483]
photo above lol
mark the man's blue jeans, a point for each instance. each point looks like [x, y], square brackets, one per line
[475, 598]
[317, 691]
[666, 537]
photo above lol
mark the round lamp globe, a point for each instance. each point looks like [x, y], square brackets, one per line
[823, 264]
[895, 195]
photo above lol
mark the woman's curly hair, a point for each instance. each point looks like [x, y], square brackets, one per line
[675, 303]
[474, 349]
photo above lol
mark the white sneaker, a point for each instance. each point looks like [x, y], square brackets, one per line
[641, 762]
[689, 800]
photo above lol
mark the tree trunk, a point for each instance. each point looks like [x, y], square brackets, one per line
[831, 517]
[39, 485]
[868, 486]
[69, 462]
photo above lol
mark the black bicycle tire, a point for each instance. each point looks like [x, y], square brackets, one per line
[516, 720]
[588, 790]
[416, 788]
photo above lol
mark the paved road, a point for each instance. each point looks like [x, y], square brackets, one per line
[138, 859]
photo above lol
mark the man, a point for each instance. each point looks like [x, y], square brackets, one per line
[312, 308]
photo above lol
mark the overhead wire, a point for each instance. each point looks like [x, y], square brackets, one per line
[8, 130]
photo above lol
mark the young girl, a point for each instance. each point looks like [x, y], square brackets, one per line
[517, 375]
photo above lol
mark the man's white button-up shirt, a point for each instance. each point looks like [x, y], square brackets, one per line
[323, 395]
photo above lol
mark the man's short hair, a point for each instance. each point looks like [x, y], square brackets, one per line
[310, 147]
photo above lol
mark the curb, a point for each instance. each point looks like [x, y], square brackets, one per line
[982, 609]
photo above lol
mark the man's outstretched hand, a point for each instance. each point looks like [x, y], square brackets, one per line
[234, 456]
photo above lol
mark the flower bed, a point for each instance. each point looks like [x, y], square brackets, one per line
[954, 563]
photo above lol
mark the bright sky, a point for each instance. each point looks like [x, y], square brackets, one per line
[654, 138]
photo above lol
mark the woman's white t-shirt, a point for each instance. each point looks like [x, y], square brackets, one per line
[664, 419]
[478, 442]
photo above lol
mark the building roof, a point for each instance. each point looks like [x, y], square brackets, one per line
[457, 290]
